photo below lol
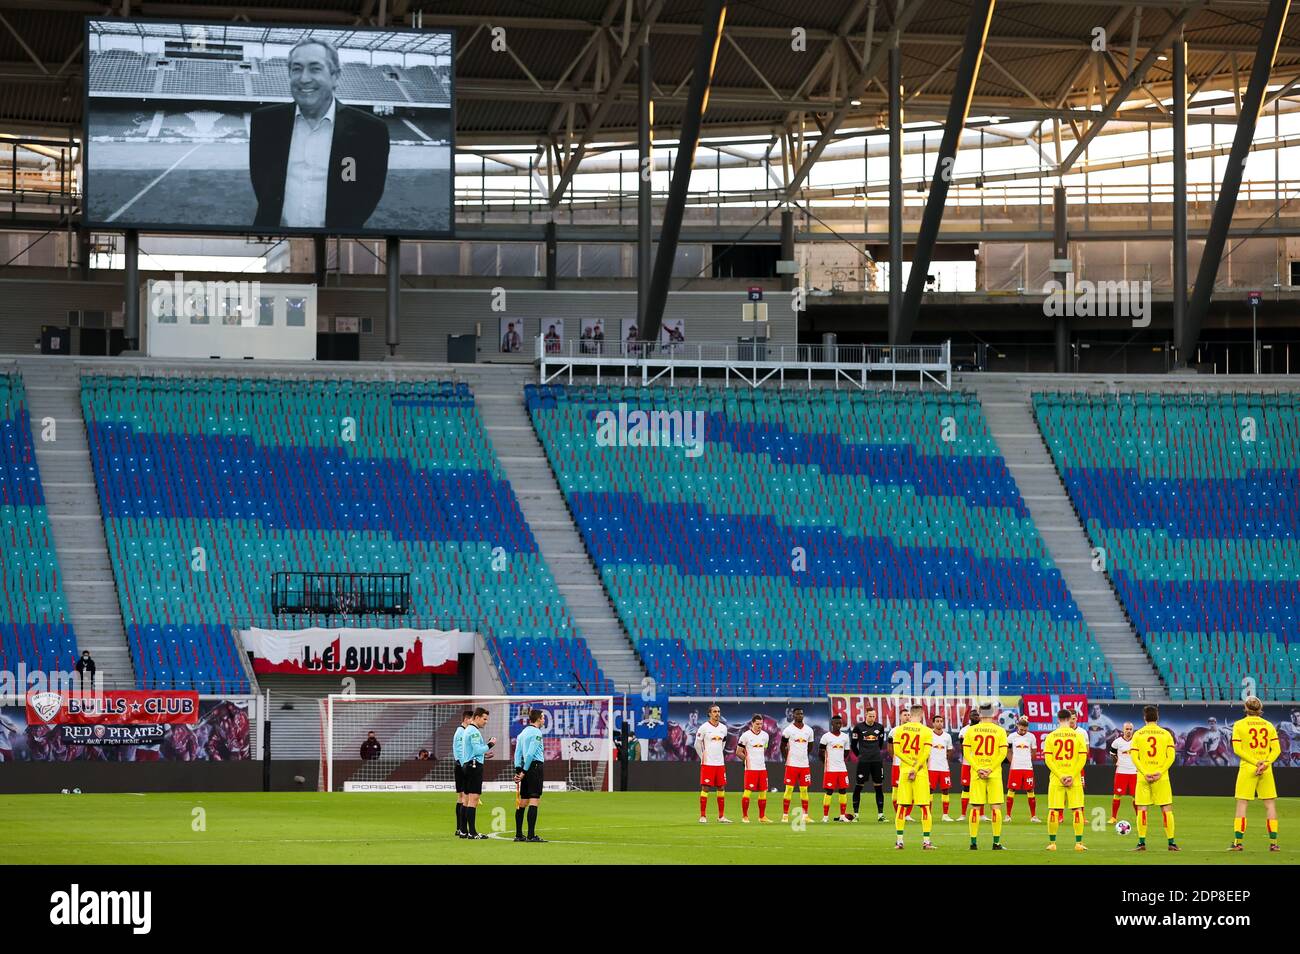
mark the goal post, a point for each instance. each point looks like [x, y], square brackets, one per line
[414, 736]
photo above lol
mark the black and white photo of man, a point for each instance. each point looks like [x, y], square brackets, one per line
[316, 163]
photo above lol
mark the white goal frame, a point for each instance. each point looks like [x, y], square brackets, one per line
[327, 732]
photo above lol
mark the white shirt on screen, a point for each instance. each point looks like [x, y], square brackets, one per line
[306, 181]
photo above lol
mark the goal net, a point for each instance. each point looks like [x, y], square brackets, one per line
[414, 736]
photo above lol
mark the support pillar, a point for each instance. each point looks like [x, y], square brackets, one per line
[1061, 253]
[645, 166]
[968, 68]
[552, 256]
[1251, 104]
[1180, 193]
[131, 291]
[392, 324]
[895, 192]
[697, 100]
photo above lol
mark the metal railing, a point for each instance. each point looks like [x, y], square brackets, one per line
[752, 362]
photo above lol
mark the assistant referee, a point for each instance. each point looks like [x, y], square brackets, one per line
[530, 757]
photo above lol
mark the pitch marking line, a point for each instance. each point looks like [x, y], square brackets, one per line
[132, 200]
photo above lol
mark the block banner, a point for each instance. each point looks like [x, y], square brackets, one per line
[129, 707]
[220, 733]
[329, 652]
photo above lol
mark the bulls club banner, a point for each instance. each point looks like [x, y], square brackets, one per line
[329, 652]
[130, 707]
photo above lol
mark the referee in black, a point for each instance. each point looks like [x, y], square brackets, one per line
[867, 742]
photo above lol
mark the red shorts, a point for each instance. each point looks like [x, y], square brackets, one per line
[965, 776]
[798, 777]
[893, 776]
[756, 780]
[1125, 785]
[835, 781]
[940, 781]
[1020, 780]
[713, 776]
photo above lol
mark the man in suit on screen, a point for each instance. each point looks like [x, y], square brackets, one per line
[316, 163]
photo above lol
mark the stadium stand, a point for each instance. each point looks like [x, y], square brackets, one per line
[258, 472]
[125, 71]
[122, 71]
[918, 550]
[34, 621]
[1199, 527]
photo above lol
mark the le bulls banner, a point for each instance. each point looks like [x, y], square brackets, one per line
[131, 707]
[329, 652]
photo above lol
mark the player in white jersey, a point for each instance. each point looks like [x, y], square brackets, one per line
[940, 763]
[752, 748]
[711, 746]
[834, 746]
[796, 741]
[1126, 773]
[1023, 746]
[972, 718]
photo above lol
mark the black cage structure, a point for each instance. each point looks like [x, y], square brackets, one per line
[307, 593]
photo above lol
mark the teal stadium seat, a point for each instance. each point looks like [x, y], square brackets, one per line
[821, 540]
[35, 629]
[1199, 526]
[260, 473]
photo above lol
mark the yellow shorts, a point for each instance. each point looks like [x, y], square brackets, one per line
[1251, 786]
[915, 792]
[1153, 793]
[987, 791]
[1061, 798]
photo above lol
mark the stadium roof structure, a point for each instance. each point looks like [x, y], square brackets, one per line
[566, 70]
[392, 40]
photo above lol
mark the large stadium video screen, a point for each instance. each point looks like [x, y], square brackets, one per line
[269, 130]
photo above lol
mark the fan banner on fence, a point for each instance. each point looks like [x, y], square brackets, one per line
[128, 707]
[328, 652]
[570, 730]
[219, 734]
[1041, 709]
[891, 709]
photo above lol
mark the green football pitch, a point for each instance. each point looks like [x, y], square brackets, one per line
[581, 828]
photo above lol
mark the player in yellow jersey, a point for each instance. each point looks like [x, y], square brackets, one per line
[1153, 753]
[912, 741]
[1065, 756]
[1256, 744]
[985, 748]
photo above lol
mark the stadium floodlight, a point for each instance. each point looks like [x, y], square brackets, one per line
[578, 732]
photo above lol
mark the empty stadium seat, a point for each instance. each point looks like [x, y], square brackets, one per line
[34, 624]
[821, 540]
[1199, 525]
[265, 475]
